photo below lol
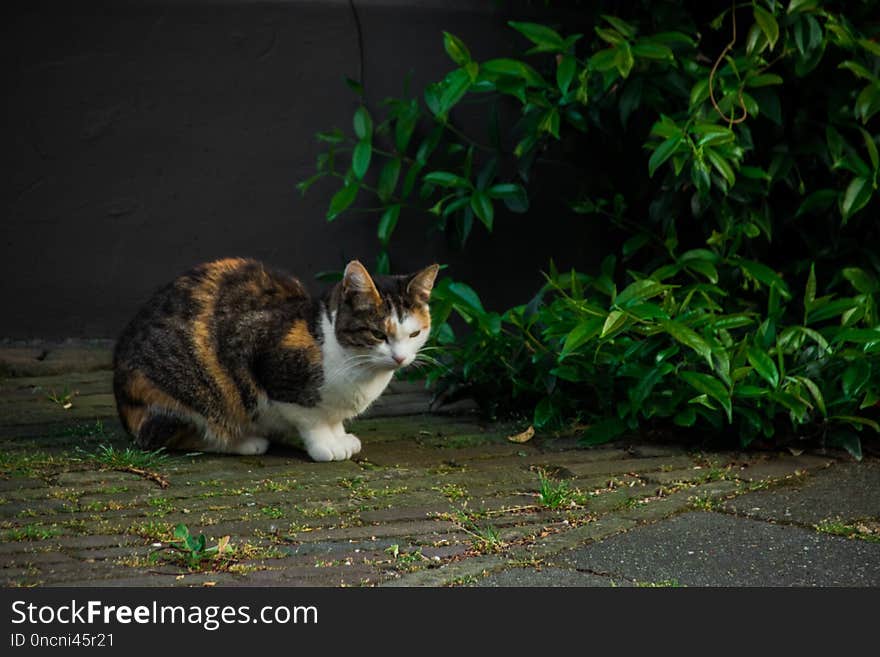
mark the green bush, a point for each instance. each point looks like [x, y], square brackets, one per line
[736, 163]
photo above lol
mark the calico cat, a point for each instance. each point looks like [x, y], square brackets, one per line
[232, 354]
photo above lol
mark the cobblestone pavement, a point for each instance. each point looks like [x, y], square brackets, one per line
[432, 500]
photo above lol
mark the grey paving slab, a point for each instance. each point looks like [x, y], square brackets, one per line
[845, 491]
[551, 577]
[714, 549]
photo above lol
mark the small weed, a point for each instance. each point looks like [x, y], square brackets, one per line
[360, 491]
[557, 494]
[452, 492]
[64, 399]
[29, 463]
[483, 539]
[163, 506]
[415, 556]
[194, 553]
[30, 533]
[663, 583]
[317, 511]
[130, 457]
[705, 503]
[272, 512]
[151, 530]
[95, 429]
[861, 531]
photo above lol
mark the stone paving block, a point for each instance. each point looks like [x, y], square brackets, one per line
[780, 467]
[845, 491]
[544, 577]
[714, 549]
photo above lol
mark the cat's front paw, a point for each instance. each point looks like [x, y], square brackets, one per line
[351, 442]
[338, 448]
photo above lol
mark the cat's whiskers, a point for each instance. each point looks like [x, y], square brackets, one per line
[349, 364]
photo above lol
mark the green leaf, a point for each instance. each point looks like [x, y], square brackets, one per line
[763, 274]
[363, 124]
[856, 196]
[621, 26]
[662, 153]
[846, 439]
[871, 46]
[688, 337]
[818, 201]
[639, 291]
[545, 413]
[360, 159]
[355, 86]
[815, 392]
[465, 293]
[854, 378]
[603, 431]
[514, 68]
[482, 207]
[768, 24]
[860, 279]
[810, 290]
[705, 268]
[335, 136]
[655, 51]
[615, 320]
[446, 179]
[686, 417]
[456, 49]
[404, 128]
[565, 71]
[388, 179]
[387, 224]
[868, 102]
[764, 80]
[857, 421]
[709, 385]
[455, 86]
[580, 335]
[763, 365]
[341, 200]
[181, 532]
[721, 165]
[872, 149]
[623, 59]
[858, 70]
[547, 39]
[550, 122]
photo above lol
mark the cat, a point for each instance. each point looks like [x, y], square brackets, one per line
[232, 355]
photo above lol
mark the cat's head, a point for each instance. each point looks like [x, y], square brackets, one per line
[386, 319]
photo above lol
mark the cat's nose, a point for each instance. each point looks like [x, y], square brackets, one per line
[398, 358]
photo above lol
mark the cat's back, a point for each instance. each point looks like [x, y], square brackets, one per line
[214, 300]
[192, 343]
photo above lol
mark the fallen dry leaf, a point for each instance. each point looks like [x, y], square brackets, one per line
[523, 437]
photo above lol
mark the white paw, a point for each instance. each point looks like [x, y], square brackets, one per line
[352, 442]
[335, 448]
[251, 446]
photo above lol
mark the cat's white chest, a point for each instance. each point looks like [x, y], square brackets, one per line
[350, 386]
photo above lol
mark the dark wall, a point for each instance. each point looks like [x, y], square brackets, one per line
[144, 137]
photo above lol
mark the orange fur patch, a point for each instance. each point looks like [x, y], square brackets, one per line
[299, 338]
[423, 315]
[203, 340]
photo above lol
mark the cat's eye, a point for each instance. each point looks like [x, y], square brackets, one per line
[414, 334]
[379, 335]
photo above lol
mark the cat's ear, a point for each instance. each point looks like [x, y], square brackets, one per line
[422, 282]
[356, 281]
